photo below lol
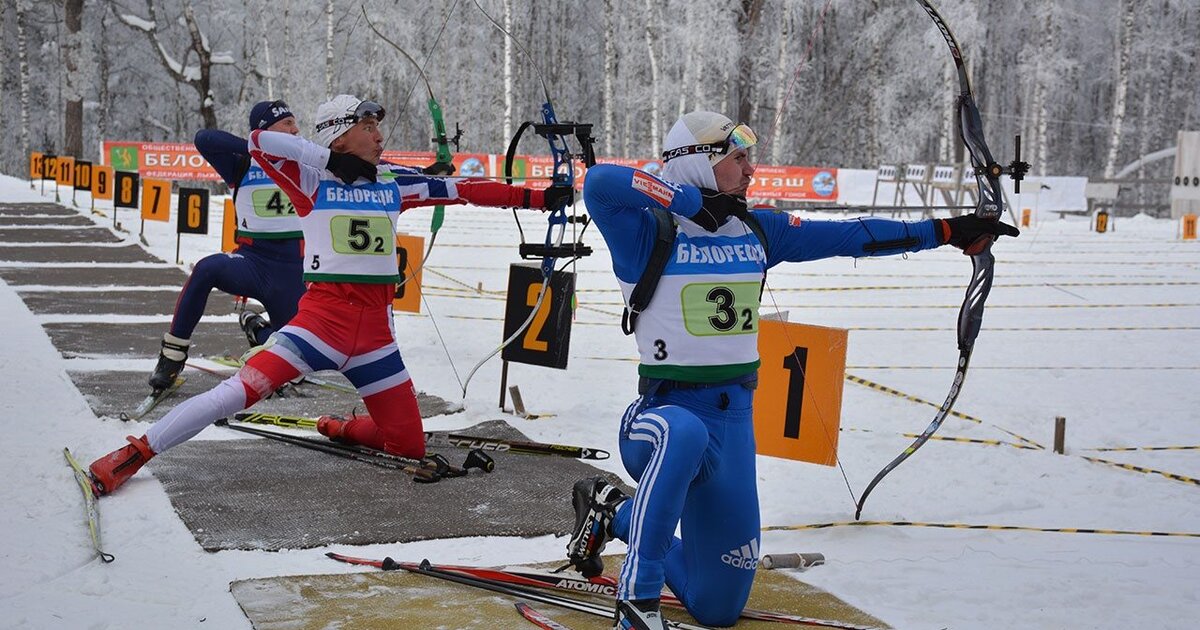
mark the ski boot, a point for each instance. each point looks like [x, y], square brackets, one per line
[111, 471]
[595, 502]
[638, 614]
[171, 358]
[332, 427]
[250, 323]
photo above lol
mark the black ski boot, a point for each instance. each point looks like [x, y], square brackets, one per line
[171, 358]
[640, 614]
[251, 323]
[595, 502]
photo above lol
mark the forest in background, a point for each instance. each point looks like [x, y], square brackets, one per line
[1090, 84]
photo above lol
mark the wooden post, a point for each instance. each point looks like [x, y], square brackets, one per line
[1060, 432]
[518, 404]
[503, 381]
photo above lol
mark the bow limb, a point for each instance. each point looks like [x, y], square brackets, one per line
[990, 205]
[443, 164]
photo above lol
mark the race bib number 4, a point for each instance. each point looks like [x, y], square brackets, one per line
[363, 235]
[721, 309]
[270, 203]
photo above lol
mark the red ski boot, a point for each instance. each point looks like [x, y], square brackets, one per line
[114, 469]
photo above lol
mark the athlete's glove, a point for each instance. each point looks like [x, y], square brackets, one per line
[349, 167]
[558, 196]
[969, 232]
[439, 168]
[716, 207]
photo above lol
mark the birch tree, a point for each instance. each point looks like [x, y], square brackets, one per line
[22, 7]
[75, 78]
[747, 23]
[1121, 86]
[650, 30]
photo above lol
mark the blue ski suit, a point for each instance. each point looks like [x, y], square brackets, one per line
[267, 268]
[688, 439]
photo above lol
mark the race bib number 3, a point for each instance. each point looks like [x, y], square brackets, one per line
[363, 235]
[270, 203]
[721, 309]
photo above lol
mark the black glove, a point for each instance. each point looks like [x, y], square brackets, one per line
[716, 207]
[966, 232]
[558, 196]
[439, 168]
[349, 167]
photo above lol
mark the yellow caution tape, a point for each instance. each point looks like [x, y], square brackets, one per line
[1011, 528]
[1143, 469]
[957, 414]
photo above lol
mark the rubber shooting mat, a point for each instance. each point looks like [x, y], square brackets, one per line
[143, 339]
[76, 254]
[9, 220]
[82, 235]
[115, 302]
[263, 494]
[95, 276]
[398, 599]
[19, 209]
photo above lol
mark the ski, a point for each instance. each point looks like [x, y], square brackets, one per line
[425, 568]
[433, 468]
[91, 504]
[601, 585]
[151, 401]
[459, 440]
[539, 619]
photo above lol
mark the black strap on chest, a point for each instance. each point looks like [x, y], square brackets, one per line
[644, 290]
[664, 241]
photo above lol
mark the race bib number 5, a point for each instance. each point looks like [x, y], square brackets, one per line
[363, 235]
[721, 309]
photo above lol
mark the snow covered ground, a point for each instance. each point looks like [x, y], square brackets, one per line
[1099, 328]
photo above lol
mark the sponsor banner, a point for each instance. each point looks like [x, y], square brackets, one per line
[465, 164]
[794, 183]
[178, 161]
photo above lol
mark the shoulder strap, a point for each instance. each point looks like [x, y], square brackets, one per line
[643, 291]
[751, 221]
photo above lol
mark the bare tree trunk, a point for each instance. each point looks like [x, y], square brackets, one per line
[105, 96]
[874, 78]
[266, 42]
[651, 37]
[786, 33]
[287, 52]
[72, 50]
[747, 22]
[1041, 147]
[948, 138]
[204, 85]
[610, 69]
[23, 74]
[508, 73]
[328, 49]
[1122, 86]
[199, 78]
